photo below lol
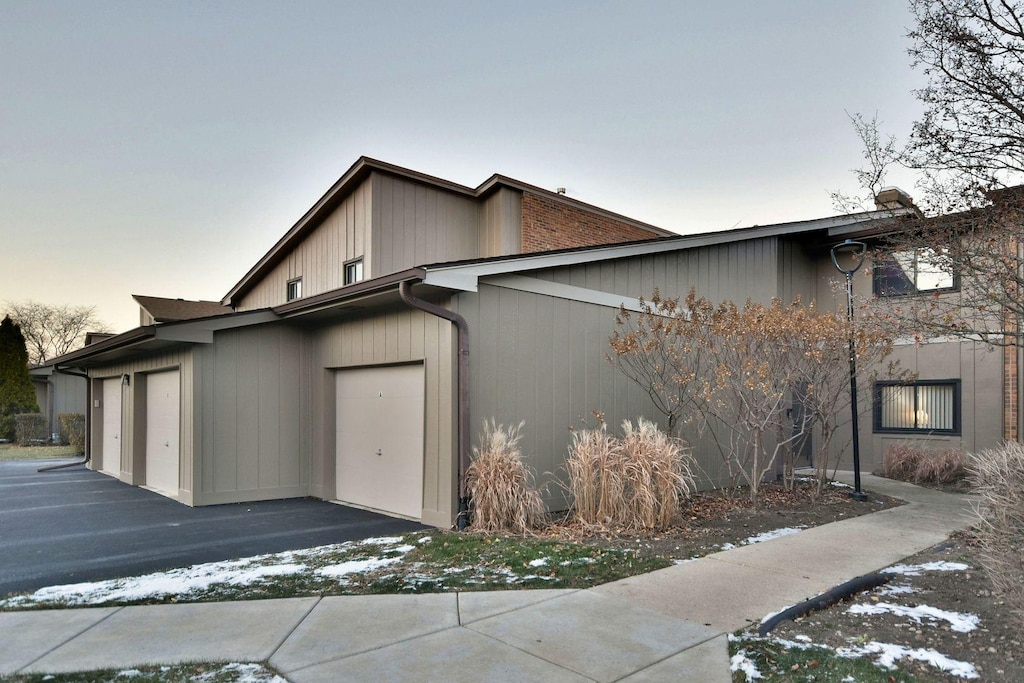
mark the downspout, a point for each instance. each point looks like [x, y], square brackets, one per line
[88, 411]
[462, 328]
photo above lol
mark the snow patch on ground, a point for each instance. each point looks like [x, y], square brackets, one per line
[200, 577]
[896, 589]
[160, 584]
[539, 562]
[343, 569]
[740, 662]
[773, 534]
[888, 654]
[244, 673]
[958, 621]
[918, 569]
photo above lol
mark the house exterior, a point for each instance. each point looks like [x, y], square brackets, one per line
[356, 360]
[56, 393]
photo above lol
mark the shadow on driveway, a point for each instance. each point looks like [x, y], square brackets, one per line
[76, 525]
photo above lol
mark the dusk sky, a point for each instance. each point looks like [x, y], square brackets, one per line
[161, 148]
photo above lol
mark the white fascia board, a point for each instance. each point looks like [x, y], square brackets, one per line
[201, 331]
[562, 291]
[464, 276]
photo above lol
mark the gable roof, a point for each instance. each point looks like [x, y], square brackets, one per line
[451, 277]
[361, 170]
[172, 310]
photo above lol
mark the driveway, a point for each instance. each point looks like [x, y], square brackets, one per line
[76, 525]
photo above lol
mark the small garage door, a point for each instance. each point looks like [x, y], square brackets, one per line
[163, 431]
[110, 462]
[379, 460]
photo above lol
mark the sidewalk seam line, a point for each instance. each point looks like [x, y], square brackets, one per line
[295, 627]
[72, 637]
[373, 649]
[531, 654]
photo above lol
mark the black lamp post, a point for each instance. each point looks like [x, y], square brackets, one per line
[855, 251]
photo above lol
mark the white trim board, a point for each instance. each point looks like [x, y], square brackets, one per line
[561, 291]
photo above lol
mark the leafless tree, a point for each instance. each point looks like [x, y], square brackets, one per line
[970, 138]
[52, 331]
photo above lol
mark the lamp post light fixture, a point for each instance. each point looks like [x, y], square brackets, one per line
[854, 251]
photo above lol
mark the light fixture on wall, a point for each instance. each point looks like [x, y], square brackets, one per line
[126, 379]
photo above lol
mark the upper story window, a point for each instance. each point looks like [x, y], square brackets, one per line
[353, 271]
[913, 271]
[293, 289]
[930, 406]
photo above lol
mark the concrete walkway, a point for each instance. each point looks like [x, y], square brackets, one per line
[668, 625]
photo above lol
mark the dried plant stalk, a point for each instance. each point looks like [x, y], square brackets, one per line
[503, 496]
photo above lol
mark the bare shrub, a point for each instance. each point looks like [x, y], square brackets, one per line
[998, 476]
[500, 485]
[595, 476]
[900, 462]
[945, 468]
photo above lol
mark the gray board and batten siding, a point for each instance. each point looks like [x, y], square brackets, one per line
[541, 355]
[392, 224]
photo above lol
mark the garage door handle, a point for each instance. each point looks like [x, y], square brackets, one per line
[379, 453]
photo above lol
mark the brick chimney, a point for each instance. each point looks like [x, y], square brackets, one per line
[894, 198]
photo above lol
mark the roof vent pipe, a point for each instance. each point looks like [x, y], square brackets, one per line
[462, 328]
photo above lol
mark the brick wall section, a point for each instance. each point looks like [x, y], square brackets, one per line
[549, 224]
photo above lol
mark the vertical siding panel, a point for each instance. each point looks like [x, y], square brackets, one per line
[267, 371]
[291, 451]
[247, 359]
[225, 414]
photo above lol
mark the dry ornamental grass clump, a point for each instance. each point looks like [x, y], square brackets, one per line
[997, 476]
[635, 483]
[500, 485]
[921, 466]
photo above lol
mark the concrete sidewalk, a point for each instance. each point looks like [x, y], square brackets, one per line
[666, 625]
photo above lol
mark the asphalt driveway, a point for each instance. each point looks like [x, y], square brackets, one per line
[77, 525]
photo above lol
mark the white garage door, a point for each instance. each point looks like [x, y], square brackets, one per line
[110, 460]
[163, 430]
[380, 438]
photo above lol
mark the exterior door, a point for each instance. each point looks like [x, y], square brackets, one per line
[803, 444]
[163, 431]
[379, 459]
[110, 459]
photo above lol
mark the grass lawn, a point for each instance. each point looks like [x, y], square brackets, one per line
[10, 451]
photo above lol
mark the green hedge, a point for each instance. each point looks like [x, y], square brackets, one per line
[30, 429]
[72, 430]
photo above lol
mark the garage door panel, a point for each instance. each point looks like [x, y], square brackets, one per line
[110, 460]
[163, 430]
[379, 459]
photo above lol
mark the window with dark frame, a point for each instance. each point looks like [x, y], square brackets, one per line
[913, 271]
[353, 271]
[294, 289]
[925, 406]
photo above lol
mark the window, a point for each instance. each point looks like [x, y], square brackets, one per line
[912, 271]
[294, 289]
[931, 406]
[353, 271]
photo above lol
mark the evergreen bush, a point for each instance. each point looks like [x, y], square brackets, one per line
[17, 395]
